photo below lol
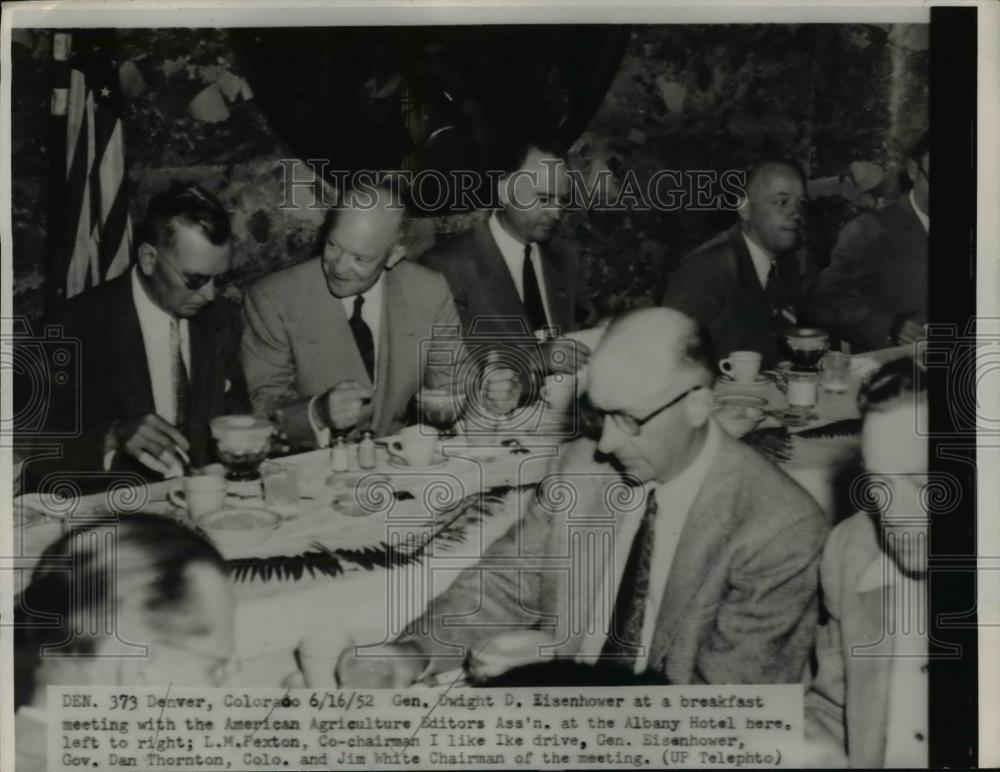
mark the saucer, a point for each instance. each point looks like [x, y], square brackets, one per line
[740, 400]
[760, 380]
[399, 463]
[794, 418]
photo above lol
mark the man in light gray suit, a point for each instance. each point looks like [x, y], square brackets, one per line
[340, 343]
[708, 569]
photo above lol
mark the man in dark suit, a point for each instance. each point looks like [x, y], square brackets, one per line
[712, 552]
[744, 285]
[874, 292]
[508, 275]
[342, 342]
[159, 352]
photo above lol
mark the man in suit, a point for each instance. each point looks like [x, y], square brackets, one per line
[868, 703]
[711, 557]
[159, 351]
[744, 285]
[342, 342]
[508, 275]
[874, 292]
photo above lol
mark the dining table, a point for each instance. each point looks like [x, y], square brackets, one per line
[363, 552]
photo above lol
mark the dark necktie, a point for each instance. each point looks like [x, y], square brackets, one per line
[533, 305]
[625, 631]
[775, 294]
[178, 375]
[363, 337]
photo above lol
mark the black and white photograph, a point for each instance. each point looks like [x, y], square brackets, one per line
[502, 387]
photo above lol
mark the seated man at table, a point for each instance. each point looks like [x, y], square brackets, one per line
[714, 551]
[874, 292]
[167, 590]
[508, 274]
[159, 352]
[744, 285]
[867, 706]
[340, 342]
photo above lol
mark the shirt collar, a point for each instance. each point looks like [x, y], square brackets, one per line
[882, 572]
[371, 295]
[762, 259]
[692, 477]
[925, 219]
[145, 307]
[508, 245]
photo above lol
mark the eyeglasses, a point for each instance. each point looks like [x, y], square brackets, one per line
[195, 281]
[629, 424]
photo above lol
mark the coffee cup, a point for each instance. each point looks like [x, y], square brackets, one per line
[415, 445]
[201, 494]
[741, 366]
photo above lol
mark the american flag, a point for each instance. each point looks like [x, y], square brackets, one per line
[90, 196]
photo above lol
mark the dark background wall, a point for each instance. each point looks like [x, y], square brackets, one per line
[844, 100]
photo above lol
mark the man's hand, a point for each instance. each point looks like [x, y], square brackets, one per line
[502, 390]
[347, 404]
[910, 331]
[390, 666]
[564, 355]
[150, 440]
[506, 651]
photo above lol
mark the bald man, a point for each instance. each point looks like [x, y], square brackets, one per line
[744, 285]
[334, 345]
[709, 573]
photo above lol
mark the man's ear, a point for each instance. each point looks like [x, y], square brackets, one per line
[912, 170]
[743, 210]
[398, 253]
[146, 258]
[503, 194]
[699, 406]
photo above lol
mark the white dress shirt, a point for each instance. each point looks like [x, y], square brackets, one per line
[371, 313]
[513, 255]
[907, 622]
[674, 499]
[925, 219]
[155, 325]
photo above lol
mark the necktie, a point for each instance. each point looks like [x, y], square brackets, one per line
[178, 375]
[363, 337]
[533, 305]
[625, 630]
[775, 294]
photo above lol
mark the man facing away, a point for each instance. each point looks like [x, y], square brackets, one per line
[159, 351]
[712, 575]
[874, 292]
[868, 703]
[744, 285]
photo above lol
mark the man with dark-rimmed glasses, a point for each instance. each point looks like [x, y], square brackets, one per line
[874, 292]
[159, 352]
[706, 553]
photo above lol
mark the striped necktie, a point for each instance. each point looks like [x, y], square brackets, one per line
[178, 375]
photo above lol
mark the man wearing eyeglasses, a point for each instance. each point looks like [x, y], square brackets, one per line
[874, 292]
[710, 570]
[160, 352]
[342, 342]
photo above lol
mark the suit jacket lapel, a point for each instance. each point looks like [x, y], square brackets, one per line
[869, 672]
[129, 381]
[397, 351]
[496, 275]
[700, 537]
[323, 322]
[559, 297]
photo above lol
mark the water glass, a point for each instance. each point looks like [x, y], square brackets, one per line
[835, 368]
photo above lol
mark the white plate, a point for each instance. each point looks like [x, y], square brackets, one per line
[399, 463]
[740, 400]
[759, 381]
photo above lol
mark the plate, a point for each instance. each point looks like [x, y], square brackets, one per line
[354, 479]
[740, 400]
[239, 526]
[760, 380]
[399, 463]
[348, 504]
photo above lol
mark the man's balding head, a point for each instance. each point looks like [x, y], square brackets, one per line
[773, 212]
[362, 238]
[645, 360]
